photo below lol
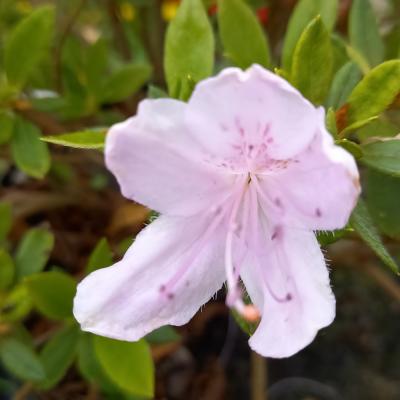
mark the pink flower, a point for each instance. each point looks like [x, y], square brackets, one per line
[242, 174]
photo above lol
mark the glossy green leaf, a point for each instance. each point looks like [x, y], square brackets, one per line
[125, 82]
[30, 154]
[343, 83]
[383, 156]
[165, 334]
[304, 12]
[129, 365]
[7, 270]
[6, 126]
[20, 360]
[247, 45]
[33, 251]
[312, 62]
[28, 44]
[52, 293]
[88, 139]
[100, 257]
[189, 49]
[5, 219]
[362, 222]
[375, 92]
[58, 354]
[383, 194]
[364, 33]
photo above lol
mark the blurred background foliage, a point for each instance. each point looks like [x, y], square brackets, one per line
[71, 68]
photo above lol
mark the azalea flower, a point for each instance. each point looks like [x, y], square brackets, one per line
[242, 174]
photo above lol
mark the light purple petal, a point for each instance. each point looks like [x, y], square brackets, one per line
[317, 190]
[286, 277]
[255, 108]
[157, 164]
[174, 266]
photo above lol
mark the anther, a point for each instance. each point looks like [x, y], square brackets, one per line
[250, 313]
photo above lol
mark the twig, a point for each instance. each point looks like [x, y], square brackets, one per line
[153, 36]
[23, 392]
[383, 280]
[119, 35]
[258, 377]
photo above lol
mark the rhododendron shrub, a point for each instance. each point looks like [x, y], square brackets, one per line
[222, 161]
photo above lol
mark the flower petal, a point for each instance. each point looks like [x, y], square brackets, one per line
[237, 106]
[288, 281]
[157, 164]
[319, 188]
[163, 279]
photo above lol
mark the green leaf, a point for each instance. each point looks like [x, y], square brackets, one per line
[330, 121]
[21, 361]
[88, 364]
[343, 83]
[326, 238]
[7, 270]
[362, 222]
[128, 365]
[30, 154]
[100, 257]
[6, 126]
[247, 45]
[375, 92]
[33, 251]
[189, 49]
[312, 62]
[5, 219]
[357, 125]
[58, 354]
[165, 334]
[16, 305]
[96, 66]
[383, 194]
[377, 128]
[28, 44]
[52, 293]
[88, 139]
[364, 33]
[383, 156]
[155, 92]
[304, 12]
[125, 82]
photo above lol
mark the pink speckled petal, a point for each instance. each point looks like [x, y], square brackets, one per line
[166, 275]
[243, 106]
[157, 164]
[287, 278]
[319, 190]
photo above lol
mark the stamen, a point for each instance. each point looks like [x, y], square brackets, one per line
[254, 224]
[166, 290]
